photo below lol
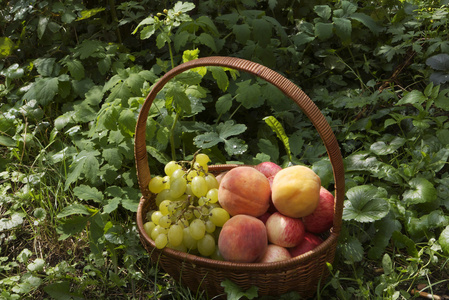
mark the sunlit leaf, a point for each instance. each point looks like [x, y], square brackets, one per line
[421, 191]
[366, 203]
[444, 239]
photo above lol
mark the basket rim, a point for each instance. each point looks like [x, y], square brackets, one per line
[290, 90]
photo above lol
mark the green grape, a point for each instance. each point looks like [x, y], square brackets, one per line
[148, 227]
[197, 213]
[155, 217]
[183, 222]
[165, 221]
[156, 184]
[206, 245]
[192, 174]
[212, 195]
[202, 201]
[161, 241]
[177, 174]
[219, 216]
[210, 226]
[211, 181]
[178, 187]
[188, 214]
[175, 235]
[201, 169]
[202, 159]
[163, 195]
[163, 207]
[157, 231]
[180, 247]
[188, 191]
[197, 229]
[183, 198]
[199, 186]
[188, 240]
[171, 167]
[204, 210]
[166, 180]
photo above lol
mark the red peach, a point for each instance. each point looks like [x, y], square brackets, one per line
[268, 168]
[244, 190]
[243, 239]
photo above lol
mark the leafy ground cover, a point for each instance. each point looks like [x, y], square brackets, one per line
[73, 75]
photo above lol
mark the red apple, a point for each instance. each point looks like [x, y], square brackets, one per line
[275, 253]
[322, 218]
[309, 243]
[268, 168]
[264, 217]
[284, 231]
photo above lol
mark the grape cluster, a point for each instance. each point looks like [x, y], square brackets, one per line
[189, 217]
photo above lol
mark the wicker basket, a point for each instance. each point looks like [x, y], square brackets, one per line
[302, 273]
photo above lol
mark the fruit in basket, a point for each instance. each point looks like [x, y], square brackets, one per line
[268, 168]
[322, 217]
[243, 239]
[188, 213]
[274, 253]
[295, 191]
[244, 190]
[310, 242]
[284, 231]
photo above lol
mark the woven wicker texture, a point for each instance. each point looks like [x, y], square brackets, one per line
[302, 273]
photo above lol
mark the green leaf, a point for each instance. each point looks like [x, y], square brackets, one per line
[422, 191]
[43, 90]
[228, 129]
[249, 94]
[75, 68]
[127, 122]
[262, 31]
[414, 97]
[28, 283]
[37, 265]
[60, 290]
[41, 26]
[343, 28]
[323, 31]
[75, 209]
[388, 145]
[85, 192]
[6, 47]
[9, 223]
[223, 131]
[267, 147]
[361, 161]
[221, 77]
[324, 11]
[367, 21]
[366, 203]
[352, 250]
[85, 163]
[223, 104]
[89, 13]
[387, 264]
[242, 33]
[89, 47]
[401, 240]
[277, 128]
[7, 141]
[72, 226]
[444, 240]
[207, 40]
[234, 292]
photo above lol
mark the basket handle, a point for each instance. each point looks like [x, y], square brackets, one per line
[285, 85]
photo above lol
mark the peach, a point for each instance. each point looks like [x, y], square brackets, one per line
[295, 191]
[244, 190]
[322, 217]
[284, 231]
[275, 253]
[243, 239]
[310, 242]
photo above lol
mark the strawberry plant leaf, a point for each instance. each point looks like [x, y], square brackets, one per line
[85, 192]
[414, 97]
[85, 163]
[343, 29]
[72, 226]
[387, 145]
[352, 250]
[43, 90]
[234, 292]
[323, 31]
[75, 68]
[421, 191]
[366, 203]
[444, 239]
[242, 33]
